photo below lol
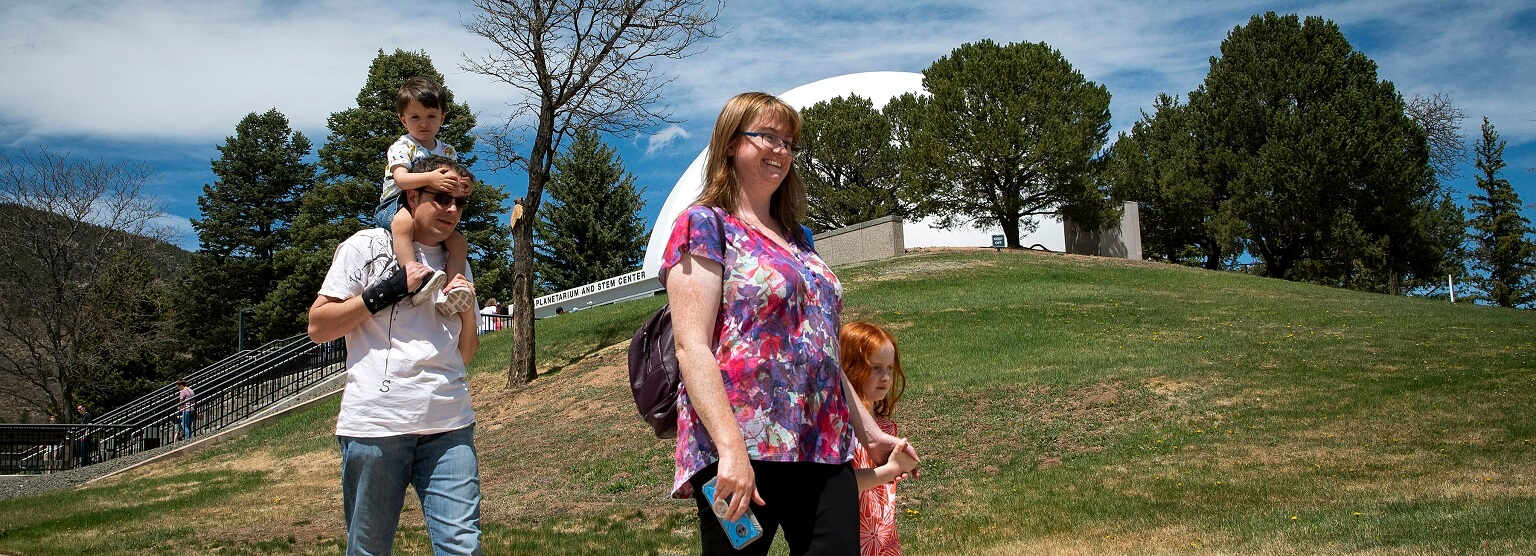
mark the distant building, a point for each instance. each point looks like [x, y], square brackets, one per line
[878, 86]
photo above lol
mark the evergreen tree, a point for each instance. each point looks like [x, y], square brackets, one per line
[260, 176]
[1445, 224]
[1325, 176]
[1502, 251]
[591, 227]
[248, 215]
[850, 167]
[1009, 132]
[352, 163]
[1157, 166]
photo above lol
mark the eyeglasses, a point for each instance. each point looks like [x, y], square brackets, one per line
[443, 200]
[773, 141]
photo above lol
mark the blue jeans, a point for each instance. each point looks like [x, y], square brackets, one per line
[384, 212]
[443, 468]
[187, 417]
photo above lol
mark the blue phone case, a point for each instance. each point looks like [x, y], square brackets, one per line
[741, 531]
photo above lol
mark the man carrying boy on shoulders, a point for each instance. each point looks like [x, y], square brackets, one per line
[405, 412]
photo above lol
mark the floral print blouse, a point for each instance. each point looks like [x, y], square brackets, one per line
[776, 341]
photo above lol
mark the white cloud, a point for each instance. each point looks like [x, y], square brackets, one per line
[155, 70]
[661, 139]
[189, 71]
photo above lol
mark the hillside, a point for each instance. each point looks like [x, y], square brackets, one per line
[168, 257]
[1062, 404]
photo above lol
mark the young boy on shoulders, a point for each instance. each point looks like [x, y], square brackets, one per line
[421, 104]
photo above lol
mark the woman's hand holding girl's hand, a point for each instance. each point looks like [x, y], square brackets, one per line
[904, 458]
[882, 445]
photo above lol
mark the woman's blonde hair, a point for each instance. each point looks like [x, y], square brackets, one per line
[720, 187]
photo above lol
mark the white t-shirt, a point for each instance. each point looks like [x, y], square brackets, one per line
[485, 321]
[398, 382]
[405, 151]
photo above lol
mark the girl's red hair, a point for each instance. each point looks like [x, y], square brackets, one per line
[859, 341]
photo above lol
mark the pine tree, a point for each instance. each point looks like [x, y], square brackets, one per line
[850, 167]
[1502, 249]
[260, 177]
[247, 219]
[1009, 132]
[352, 166]
[1156, 165]
[1324, 174]
[591, 227]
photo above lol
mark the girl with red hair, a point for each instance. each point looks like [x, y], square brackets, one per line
[873, 366]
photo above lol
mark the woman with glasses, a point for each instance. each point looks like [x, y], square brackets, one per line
[764, 407]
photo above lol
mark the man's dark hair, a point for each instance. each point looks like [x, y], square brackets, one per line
[423, 90]
[434, 162]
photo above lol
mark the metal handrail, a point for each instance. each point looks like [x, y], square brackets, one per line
[228, 391]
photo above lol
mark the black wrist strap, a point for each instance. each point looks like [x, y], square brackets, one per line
[387, 291]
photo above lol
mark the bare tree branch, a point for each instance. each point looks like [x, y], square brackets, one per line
[1441, 122]
[581, 64]
[78, 237]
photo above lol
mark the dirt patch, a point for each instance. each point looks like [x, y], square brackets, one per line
[548, 445]
[915, 265]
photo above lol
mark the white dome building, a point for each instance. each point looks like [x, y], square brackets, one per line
[880, 87]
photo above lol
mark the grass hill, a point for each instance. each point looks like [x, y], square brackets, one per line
[1062, 404]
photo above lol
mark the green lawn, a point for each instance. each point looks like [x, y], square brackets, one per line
[1062, 405]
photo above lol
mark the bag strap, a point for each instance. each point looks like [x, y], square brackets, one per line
[725, 241]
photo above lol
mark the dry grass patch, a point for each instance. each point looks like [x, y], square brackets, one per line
[300, 497]
[914, 264]
[556, 437]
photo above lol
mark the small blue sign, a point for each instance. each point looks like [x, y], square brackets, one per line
[998, 241]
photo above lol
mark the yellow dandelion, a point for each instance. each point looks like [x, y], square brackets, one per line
[1294, 518]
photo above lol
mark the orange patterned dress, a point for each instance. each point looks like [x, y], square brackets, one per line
[877, 506]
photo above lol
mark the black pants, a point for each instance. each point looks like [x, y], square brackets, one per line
[816, 504]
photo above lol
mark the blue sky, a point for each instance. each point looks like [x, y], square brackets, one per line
[165, 83]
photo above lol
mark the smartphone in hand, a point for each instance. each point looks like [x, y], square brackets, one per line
[742, 531]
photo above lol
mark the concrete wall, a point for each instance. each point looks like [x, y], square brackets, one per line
[1123, 241]
[865, 241]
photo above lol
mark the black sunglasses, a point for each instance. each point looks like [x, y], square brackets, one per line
[443, 200]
